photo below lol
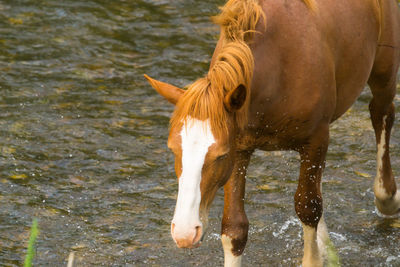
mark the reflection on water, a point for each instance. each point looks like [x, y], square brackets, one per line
[83, 144]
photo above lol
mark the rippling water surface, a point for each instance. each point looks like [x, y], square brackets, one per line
[83, 144]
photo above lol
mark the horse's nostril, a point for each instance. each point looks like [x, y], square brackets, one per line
[198, 235]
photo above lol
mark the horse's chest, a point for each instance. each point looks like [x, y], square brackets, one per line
[268, 136]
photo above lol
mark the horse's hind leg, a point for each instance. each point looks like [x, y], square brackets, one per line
[383, 86]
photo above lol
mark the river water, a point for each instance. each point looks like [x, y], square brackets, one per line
[83, 145]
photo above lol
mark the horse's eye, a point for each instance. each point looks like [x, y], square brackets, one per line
[221, 157]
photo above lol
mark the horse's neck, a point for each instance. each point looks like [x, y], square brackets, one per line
[217, 49]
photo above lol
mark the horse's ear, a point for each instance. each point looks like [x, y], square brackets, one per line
[168, 91]
[235, 99]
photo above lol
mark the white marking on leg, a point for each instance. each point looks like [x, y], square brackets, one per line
[322, 237]
[327, 250]
[322, 233]
[379, 190]
[387, 205]
[196, 139]
[312, 256]
[230, 259]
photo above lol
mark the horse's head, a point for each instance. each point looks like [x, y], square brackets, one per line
[204, 156]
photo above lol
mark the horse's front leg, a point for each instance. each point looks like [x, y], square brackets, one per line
[234, 221]
[308, 198]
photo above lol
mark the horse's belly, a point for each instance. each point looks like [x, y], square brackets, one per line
[351, 75]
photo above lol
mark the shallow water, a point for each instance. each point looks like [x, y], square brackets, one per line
[83, 145]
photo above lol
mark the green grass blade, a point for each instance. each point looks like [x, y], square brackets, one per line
[333, 257]
[32, 239]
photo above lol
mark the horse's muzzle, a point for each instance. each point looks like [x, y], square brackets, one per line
[187, 238]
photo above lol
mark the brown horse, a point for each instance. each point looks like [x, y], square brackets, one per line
[282, 71]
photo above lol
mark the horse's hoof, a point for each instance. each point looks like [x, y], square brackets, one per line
[388, 208]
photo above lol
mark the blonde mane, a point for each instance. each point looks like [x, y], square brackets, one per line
[204, 99]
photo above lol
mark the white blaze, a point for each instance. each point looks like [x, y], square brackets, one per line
[196, 139]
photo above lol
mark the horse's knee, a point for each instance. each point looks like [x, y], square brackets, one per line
[236, 233]
[379, 109]
[308, 206]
